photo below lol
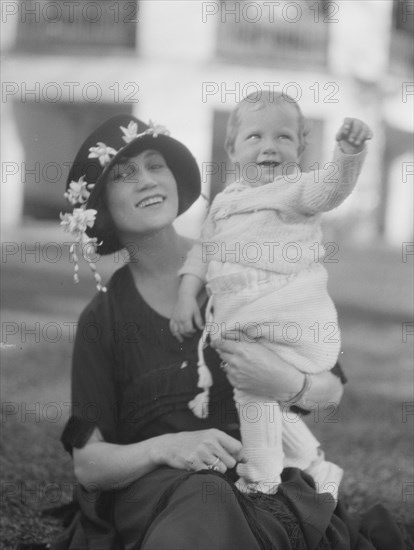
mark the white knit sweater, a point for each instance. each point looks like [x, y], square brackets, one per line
[274, 227]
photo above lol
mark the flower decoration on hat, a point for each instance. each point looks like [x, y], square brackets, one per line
[82, 218]
[131, 132]
[157, 129]
[102, 152]
[76, 224]
[78, 192]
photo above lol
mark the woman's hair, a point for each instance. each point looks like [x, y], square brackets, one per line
[104, 228]
[255, 102]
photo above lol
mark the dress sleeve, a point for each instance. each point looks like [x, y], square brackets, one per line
[93, 383]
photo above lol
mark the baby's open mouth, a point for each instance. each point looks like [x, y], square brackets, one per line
[269, 163]
[150, 201]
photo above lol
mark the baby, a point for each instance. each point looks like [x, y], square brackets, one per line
[260, 255]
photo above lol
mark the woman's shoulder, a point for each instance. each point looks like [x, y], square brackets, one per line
[100, 306]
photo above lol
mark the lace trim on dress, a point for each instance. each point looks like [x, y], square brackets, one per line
[287, 518]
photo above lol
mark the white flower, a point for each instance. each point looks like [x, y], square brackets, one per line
[89, 247]
[131, 132]
[77, 222]
[90, 242]
[102, 152]
[156, 129]
[78, 192]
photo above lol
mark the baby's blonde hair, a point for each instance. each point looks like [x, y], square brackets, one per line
[255, 102]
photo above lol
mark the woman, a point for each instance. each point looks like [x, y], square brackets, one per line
[151, 474]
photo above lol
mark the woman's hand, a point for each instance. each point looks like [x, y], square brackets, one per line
[252, 367]
[107, 465]
[198, 450]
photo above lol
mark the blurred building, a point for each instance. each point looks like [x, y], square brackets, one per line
[69, 65]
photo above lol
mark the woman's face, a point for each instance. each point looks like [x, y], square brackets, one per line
[141, 193]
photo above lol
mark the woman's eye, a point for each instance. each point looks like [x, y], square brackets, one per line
[120, 176]
[157, 166]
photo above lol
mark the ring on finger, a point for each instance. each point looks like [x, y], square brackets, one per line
[215, 466]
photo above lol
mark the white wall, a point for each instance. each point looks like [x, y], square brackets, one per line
[12, 156]
[175, 63]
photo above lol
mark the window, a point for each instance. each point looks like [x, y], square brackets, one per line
[403, 16]
[275, 33]
[73, 27]
[401, 49]
[51, 135]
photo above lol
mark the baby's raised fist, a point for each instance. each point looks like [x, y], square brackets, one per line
[352, 135]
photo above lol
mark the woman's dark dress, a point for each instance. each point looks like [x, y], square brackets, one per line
[133, 380]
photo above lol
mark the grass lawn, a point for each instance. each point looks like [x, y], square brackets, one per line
[370, 434]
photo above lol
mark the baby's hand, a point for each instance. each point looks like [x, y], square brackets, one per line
[185, 318]
[352, 135]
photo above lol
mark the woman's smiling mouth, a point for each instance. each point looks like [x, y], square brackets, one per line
[150, 201]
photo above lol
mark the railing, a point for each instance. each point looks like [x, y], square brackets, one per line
[294, 34]
[71, 27]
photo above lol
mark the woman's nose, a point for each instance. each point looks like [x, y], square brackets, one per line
[145, 180]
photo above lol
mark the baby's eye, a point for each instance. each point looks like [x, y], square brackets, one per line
[253, 136]
[285, 136]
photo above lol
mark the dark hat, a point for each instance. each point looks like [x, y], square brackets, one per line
[126, 136]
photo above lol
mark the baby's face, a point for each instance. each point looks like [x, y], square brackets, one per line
[267, 143]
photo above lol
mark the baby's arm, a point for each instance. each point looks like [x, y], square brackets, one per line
[186, 312]
[326, 189]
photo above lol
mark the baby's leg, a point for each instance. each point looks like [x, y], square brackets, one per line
[302, 450]
[300, 446]
[261, 431]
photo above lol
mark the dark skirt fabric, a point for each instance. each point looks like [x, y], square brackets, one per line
[178, 510]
